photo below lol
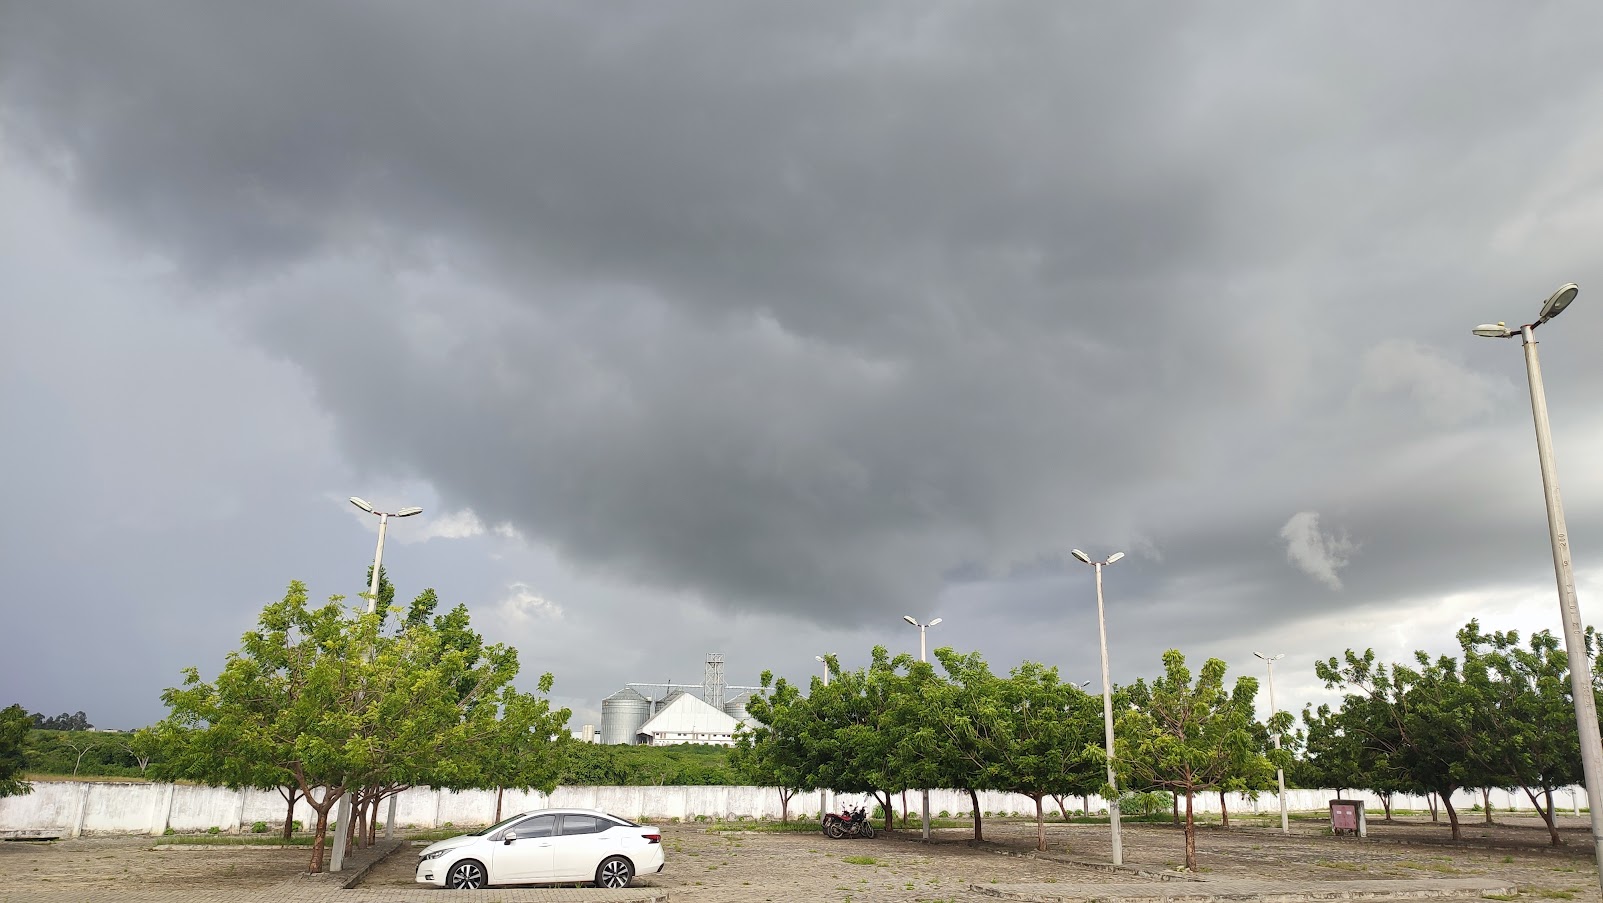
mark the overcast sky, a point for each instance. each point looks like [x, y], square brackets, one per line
[750, 327]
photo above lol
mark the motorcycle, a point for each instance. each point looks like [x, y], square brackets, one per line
[849, 823]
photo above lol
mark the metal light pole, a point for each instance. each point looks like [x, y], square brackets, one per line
[342, 825]
[922, 656]
[824, 794]
[1107, 699]
[1280, 773]
[1574, 638]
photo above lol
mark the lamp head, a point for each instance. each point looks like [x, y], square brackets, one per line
[407, 512]
[1115, 557]
[909, 619]
[820, 658]
[1560, 299]
[1497, 330]
[1080, 555]
[362, 504]
[934, 622]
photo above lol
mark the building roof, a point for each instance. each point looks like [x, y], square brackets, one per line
[687, 714]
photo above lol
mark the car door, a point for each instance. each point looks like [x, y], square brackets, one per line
[581, 846]
[524, 851]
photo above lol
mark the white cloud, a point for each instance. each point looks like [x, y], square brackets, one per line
[522, 604]
[462, 524]
[1318, 554]
[1445, 392]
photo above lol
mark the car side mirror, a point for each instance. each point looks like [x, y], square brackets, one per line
[509, 836]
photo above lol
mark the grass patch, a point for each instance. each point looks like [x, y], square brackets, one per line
[223, 840]
[433, 834]
[861, 860]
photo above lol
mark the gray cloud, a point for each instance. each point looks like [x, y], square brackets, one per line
[814, 314]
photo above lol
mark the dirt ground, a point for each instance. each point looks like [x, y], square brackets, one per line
[710, 865]
[87, 865]
[713, 866]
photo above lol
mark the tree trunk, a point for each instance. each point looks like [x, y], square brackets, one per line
[890, 814]
[1085, 805]
[498, 792]
[904, 809]
[1486, 803]
[289, 817]
[1062, 809]
[784, 804]
[1452, 814]
[1547, 814]
[1430, 800]
[1191, 837]
[1385, 803]
[318, 840]
[1040, 826]
[1224, 813]
[974, 799]
[1174, 804]
[372, 818]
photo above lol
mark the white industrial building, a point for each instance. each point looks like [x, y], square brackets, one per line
[679, 715]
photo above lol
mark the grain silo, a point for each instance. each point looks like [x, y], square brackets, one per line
[622, 714]
[736, 708]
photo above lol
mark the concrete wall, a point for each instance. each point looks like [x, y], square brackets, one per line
[71, 808]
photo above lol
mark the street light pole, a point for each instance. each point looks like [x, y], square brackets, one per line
[342, 817]
[1280, 773]
[925, 794]
[1107, 699]
[1558, 536]
[823, 799]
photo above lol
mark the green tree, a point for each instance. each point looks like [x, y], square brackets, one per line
[1525, 732]
[951, 732]
[319, 695]
[14, 725]
[774, 751]
[1044, 750]
[1420, 720]
[1189, 737]
[851, 743]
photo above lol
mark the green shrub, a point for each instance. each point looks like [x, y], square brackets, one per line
[296, 825]
[259, 827]
[214, 830]
[944, 814]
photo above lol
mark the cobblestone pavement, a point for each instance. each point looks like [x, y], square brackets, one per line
[1250, 862]
[1250, 891]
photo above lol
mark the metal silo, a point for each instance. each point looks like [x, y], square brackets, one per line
[736, 708]
[622, 715]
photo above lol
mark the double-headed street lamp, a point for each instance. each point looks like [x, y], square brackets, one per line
[923, 657]
[1280, 773]
[1107, 699]
[342, 827]
[825, 662]
[1569, 610]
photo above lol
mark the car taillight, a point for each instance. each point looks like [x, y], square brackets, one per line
[652, 838]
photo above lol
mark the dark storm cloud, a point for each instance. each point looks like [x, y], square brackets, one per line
[805, 307]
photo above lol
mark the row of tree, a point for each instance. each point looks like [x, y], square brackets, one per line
[324, 702]
[900, 723]
[1498, 715]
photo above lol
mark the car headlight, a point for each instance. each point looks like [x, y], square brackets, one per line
[434, 855]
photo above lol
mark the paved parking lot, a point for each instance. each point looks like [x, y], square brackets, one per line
[714, 866]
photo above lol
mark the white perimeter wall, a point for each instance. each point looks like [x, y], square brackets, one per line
[71, 808]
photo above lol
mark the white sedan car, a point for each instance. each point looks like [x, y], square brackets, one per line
[545, 846]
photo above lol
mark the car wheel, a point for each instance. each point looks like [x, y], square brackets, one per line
[614, 872]
[466, 875]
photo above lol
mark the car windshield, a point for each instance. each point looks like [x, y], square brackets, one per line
[498, 825]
